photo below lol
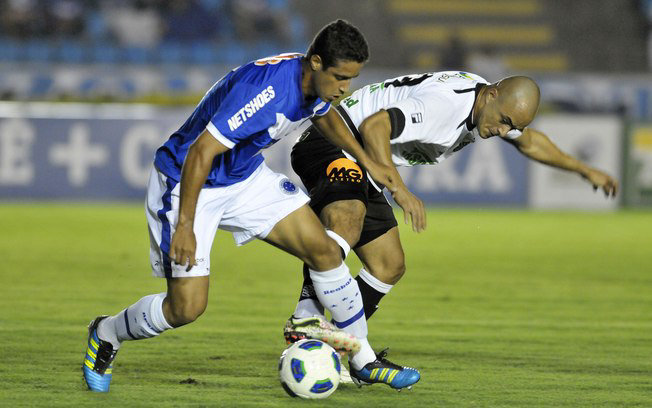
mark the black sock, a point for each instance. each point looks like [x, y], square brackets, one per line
[307, 290]
[370, 297]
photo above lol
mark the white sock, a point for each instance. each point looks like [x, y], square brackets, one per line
[372, 281]
[142, 320]
[339, 293]
[365, 356]
[308, 304]
[346, 248]
[308, 308]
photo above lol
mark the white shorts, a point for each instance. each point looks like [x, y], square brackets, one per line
[249, 209]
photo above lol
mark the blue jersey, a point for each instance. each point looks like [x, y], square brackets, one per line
[249, 109]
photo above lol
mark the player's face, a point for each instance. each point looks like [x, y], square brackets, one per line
[496, 118]
[331, 83]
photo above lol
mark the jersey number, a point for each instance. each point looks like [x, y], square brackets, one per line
[408, 80]
[278, 58]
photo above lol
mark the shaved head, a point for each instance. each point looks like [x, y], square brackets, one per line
[520, 95]
[508, 104]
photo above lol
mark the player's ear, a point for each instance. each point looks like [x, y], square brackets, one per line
[316, 62]
[492, 92]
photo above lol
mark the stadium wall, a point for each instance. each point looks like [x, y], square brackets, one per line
[104, 152]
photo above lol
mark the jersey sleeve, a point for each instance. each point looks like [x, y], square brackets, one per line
[323, 110]
[421, 120]
[246, 110]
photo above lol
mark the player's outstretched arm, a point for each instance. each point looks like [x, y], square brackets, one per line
[193, 176]
[539, 147]
[332, 126]
[375, 131]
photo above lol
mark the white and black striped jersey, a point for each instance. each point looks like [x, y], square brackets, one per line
[430, 113]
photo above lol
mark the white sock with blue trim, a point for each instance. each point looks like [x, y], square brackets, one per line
[339, 293]
[142, 320]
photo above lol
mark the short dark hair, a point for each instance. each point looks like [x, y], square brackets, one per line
[339, 40]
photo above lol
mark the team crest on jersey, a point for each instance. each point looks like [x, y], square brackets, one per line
[288, 187]
[344, 170]
[417, 117]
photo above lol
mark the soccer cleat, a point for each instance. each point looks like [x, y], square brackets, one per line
[384, 371]
[345, 376]
[316, 327]
[97, 365]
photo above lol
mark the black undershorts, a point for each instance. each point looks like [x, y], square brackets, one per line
[329, 176]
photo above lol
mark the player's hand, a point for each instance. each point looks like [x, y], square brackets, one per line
[384, 174]
[183, 246]
[413, 208]
[603, 181]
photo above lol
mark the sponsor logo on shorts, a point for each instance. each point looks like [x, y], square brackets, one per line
[288, 187]
[344, 170]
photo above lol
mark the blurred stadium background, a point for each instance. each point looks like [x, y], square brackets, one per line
[513, 308]
[129, 71]
[89, 89]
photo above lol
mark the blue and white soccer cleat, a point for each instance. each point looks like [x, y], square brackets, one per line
[384, 371]
[97, 365]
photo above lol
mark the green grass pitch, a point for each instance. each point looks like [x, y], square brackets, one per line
[497, 308]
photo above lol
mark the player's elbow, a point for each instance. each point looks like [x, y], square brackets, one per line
[375, 124]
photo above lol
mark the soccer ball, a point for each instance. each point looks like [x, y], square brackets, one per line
[309, 369]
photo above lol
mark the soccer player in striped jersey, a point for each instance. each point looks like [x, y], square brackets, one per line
[407, 121]
[210, 174]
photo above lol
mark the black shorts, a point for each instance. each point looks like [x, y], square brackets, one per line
[329, 176]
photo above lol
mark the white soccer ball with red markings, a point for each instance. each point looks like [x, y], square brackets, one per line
[309, 369]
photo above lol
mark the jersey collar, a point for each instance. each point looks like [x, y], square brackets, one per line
[469, 119]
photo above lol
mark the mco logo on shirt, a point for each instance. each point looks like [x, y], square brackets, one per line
[252, 107]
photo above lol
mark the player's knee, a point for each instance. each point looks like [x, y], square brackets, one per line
[346, 218]
[390, 272]
[397, 272]
[182, 313]
[324, 255]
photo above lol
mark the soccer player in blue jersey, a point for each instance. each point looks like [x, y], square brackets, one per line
[210, 174]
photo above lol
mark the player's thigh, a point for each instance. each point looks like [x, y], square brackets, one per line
[345, 217]
[303, 235]
[379, 218]
[383, 257]
[162, 211]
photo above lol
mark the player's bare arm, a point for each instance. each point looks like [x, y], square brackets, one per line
[332, 126]
[375, 131]
[537, 146]
[193, 176]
